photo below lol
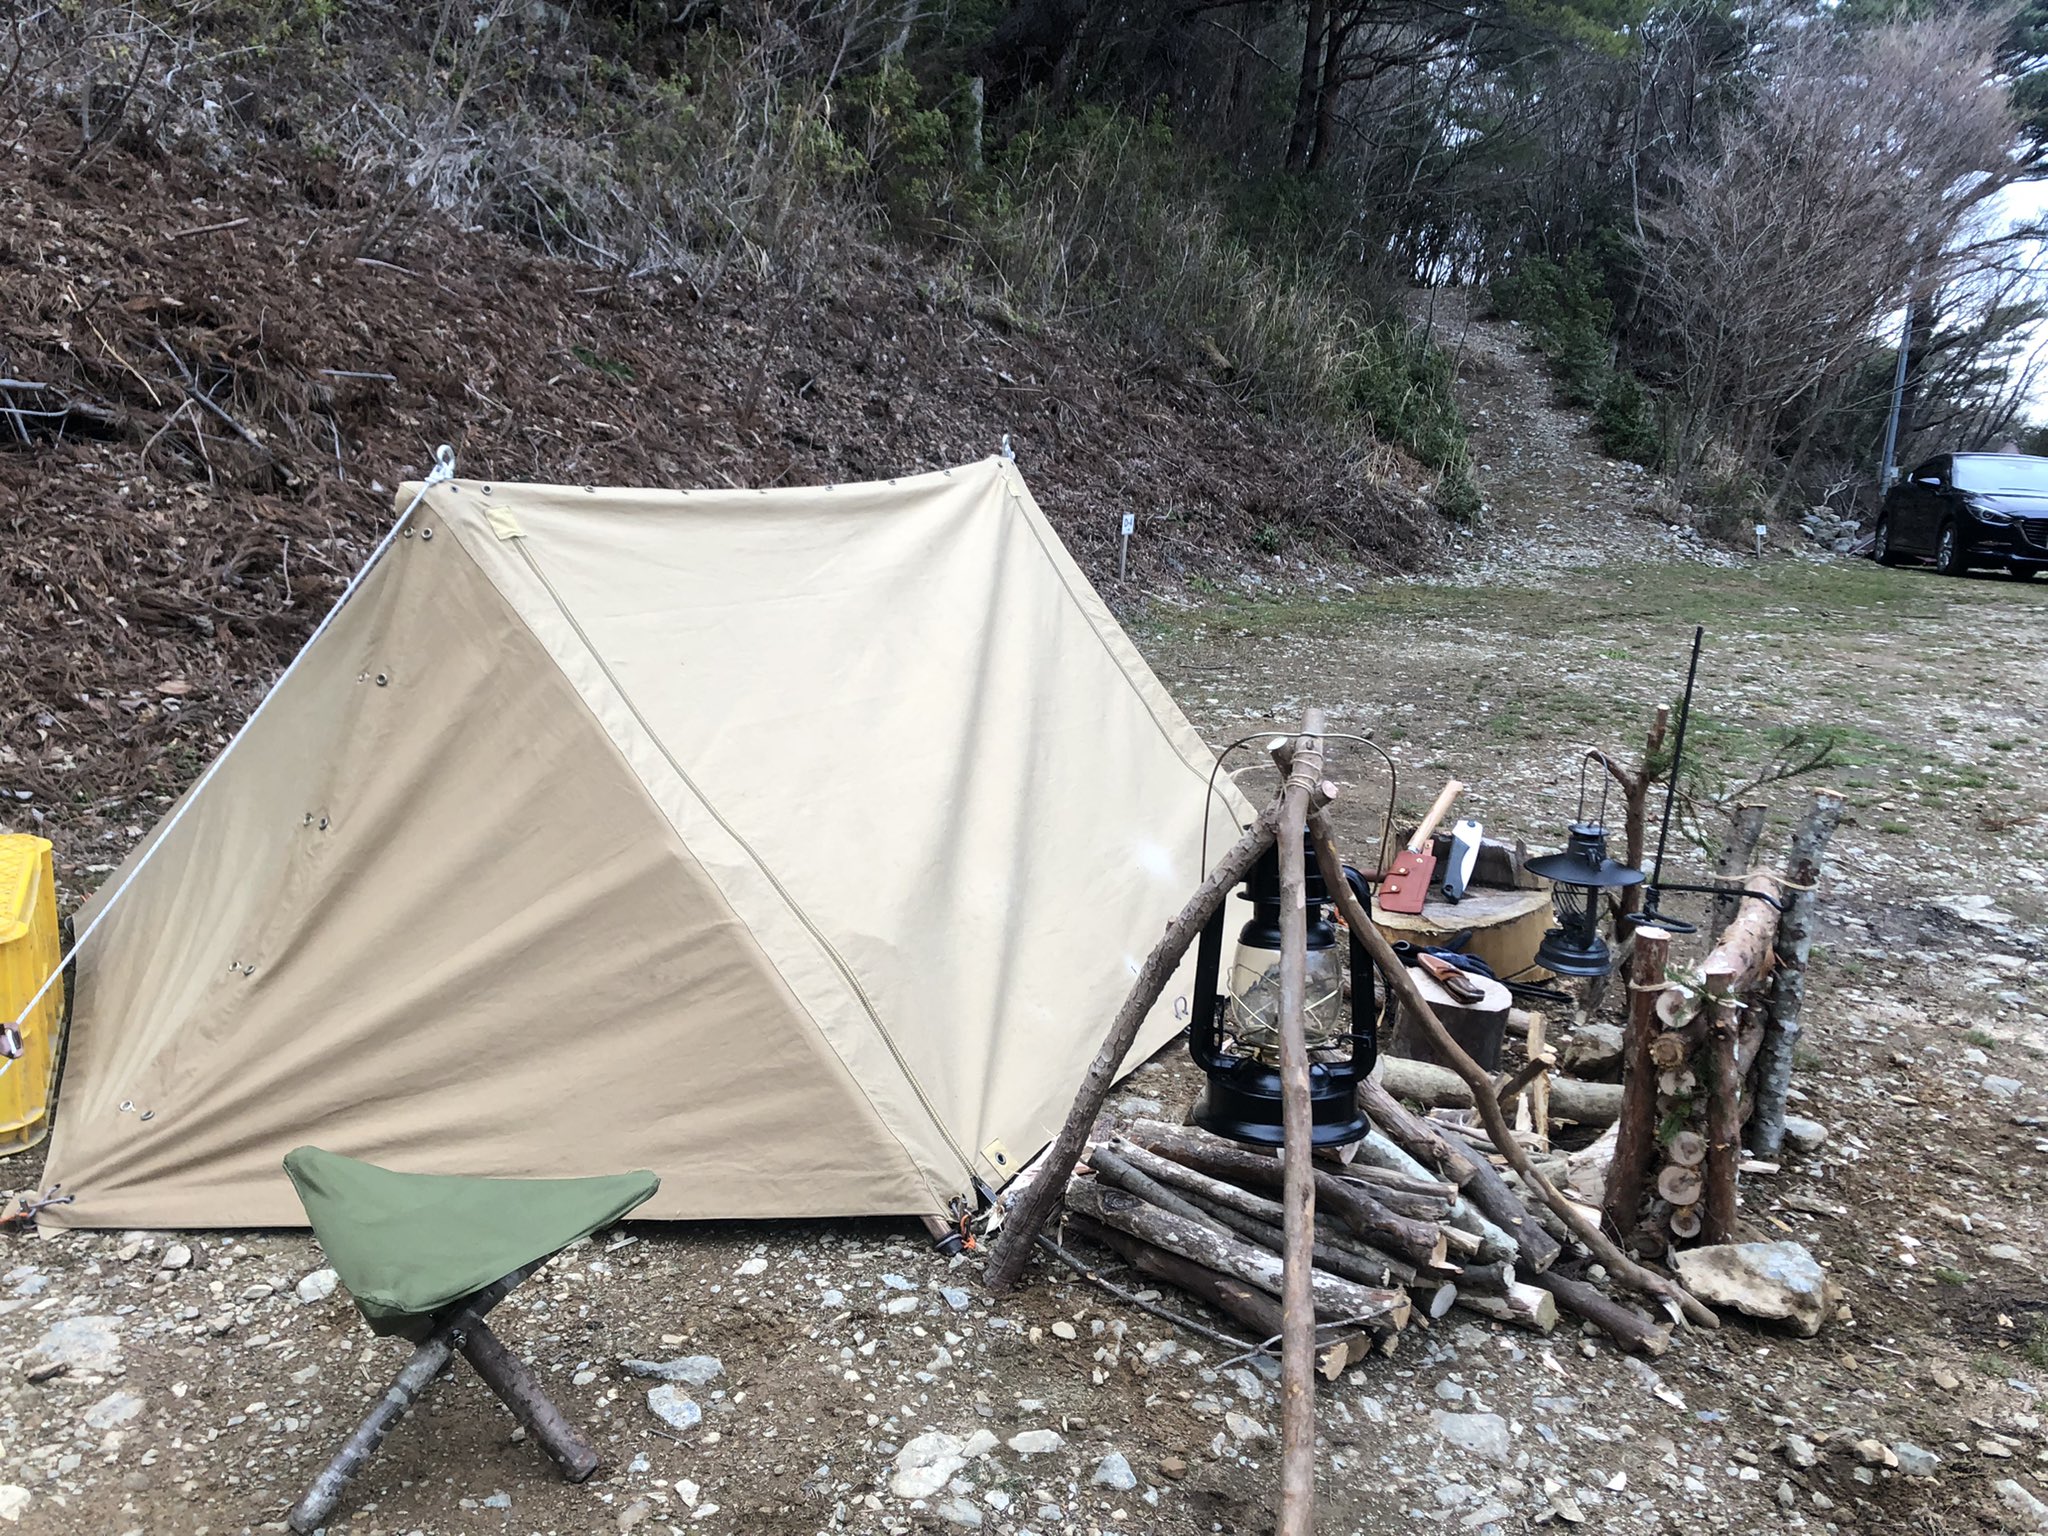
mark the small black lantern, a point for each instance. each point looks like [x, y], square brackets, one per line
[1235, 1038]
[1579, 876]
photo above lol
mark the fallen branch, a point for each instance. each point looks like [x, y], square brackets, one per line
[1624, 1325]
[1416, 1242]
[1424, 1082]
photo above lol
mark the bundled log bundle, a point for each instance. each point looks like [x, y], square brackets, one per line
[1708, 1049]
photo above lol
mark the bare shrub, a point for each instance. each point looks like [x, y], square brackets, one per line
[1855, 173]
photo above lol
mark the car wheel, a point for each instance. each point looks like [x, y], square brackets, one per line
[1949, 557]
[1881, 543]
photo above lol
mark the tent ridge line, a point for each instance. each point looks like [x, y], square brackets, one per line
[839, 963]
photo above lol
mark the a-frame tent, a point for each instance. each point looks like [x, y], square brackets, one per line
[797, 845]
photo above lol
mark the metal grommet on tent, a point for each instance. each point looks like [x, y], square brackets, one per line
[127, 1106]
[425, 534]
[383, 679]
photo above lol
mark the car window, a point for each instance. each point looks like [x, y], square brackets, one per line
[1991, 472]
[1928, 473]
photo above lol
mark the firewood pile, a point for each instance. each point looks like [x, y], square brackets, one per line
[1397, 1236]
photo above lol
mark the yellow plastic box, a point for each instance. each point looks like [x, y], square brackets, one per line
[30, 948]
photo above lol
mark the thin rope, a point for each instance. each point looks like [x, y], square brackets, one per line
[10, 1035]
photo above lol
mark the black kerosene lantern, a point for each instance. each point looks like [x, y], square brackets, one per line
[1579, 876]
[1235, 1038]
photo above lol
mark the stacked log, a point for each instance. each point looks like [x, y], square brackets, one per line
[1397, 1236]
[1708, 1043]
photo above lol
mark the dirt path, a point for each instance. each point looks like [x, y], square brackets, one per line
[839, 1344]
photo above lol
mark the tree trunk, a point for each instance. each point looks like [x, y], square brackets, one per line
[1788, 990]
[1301, 135]
[1745, 828]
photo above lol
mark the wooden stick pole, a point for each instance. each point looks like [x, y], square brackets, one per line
[1636, 1130]
[1304, 768]
[1618, 1263]
[1028, 1219]
[1788, 987]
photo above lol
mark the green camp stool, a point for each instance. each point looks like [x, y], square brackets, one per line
[426, 1256]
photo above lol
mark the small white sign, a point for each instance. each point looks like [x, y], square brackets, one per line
[1130, 524]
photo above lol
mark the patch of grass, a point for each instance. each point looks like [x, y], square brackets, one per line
[604, 365]
[1895, 828]
[1980, 1039]
[2036, 1346]
[1947, 1276]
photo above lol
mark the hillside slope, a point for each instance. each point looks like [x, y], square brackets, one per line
[215, 393]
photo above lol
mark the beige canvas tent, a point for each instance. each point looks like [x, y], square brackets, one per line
[797, 845]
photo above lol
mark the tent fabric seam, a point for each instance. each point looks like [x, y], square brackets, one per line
[524, 546]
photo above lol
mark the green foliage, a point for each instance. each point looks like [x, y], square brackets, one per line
[1571, 321]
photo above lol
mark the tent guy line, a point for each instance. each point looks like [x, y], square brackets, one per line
[10, 1033]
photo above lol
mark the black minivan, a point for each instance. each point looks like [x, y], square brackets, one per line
[1965, 510]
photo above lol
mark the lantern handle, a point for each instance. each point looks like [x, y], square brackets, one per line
[1393, 785]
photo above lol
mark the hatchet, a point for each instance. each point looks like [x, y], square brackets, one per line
[1407, 884]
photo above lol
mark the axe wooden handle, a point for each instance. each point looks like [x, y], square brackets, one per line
[1444, 802]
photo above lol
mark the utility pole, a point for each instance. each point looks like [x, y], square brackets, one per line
[1891, 425]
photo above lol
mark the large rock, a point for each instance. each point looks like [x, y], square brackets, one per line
[1483, 1434]
[85, 1346]
[675, 1409]
[2030, 1511]
[1778, 1282]
[116, 1408]
[926, 1464]
[14, 1502]
[691, 1370]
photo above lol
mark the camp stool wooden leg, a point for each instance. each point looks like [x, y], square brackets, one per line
[520, 1390]
[502, 1371]
[427, 1362]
